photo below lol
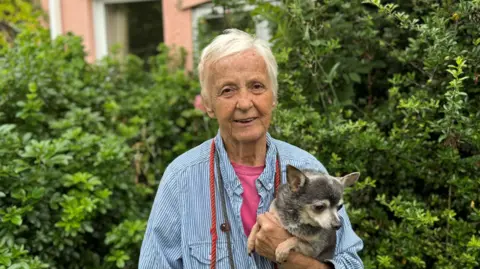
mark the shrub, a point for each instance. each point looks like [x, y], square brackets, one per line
[81, 145]
[17, 15]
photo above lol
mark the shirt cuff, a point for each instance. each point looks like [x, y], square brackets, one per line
[331, 263]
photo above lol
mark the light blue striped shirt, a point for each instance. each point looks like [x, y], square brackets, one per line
[178, 229]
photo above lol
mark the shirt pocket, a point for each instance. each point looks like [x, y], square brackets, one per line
[201, 255]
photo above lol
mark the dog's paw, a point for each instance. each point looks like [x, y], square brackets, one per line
[281, 253]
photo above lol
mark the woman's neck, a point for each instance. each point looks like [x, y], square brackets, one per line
[249, 154]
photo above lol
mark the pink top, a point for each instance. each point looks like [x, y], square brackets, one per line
[248, 176]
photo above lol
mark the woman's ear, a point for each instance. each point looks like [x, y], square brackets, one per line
[211, 113]
[208, 107]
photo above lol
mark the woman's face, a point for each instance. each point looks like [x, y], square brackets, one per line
[240, 96]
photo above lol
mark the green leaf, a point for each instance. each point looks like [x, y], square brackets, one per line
[60, 159]
[120, 263]
[474, 243]
[316, 43]
[2, 194]
[20, 265]
[306, 35]
[333, 72]
[17, 220]
[38, 193]
[6, 128]
[19, 194]
[355, 77]
[26, 137]
[5, 260]
[88, 227]
[385, 261]
[181, 122]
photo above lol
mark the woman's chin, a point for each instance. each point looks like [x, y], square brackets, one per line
[249, 136]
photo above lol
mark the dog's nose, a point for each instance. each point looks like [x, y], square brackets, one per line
[337, 226]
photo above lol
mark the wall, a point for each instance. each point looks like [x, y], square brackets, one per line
[177, 21]
[77, 18]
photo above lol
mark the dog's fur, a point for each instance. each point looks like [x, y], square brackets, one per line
[307, 207]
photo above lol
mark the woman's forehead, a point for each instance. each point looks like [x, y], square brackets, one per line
[247, 61]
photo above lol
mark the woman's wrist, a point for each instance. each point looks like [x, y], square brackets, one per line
[302, 261]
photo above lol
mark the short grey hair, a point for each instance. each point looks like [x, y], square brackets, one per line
[233, 41]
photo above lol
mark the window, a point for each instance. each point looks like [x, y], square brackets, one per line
[129, 26]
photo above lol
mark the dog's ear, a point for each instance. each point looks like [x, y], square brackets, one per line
[349, 179]
[295, 178]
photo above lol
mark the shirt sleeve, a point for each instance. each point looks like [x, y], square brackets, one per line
[161, 247]
[348, 246]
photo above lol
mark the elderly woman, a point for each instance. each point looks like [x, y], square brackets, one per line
[210, 197]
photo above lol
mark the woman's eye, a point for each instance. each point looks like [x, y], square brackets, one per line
[318, 207]
[258, 86]
[227, 91]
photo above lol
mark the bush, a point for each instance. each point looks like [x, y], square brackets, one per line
[81, 146]
[16, 15]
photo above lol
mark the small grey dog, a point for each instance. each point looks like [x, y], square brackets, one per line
[307, 207]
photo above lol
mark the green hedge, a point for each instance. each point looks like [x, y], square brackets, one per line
[390, 90]
[81, 150]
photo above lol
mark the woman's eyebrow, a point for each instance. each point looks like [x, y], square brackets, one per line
[221, 84]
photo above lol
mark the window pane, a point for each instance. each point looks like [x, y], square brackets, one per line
[136, 26]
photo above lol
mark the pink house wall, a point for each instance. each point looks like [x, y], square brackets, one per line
[177, 28]
[77, 17]
[177, 25]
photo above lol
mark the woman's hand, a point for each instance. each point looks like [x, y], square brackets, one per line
[271, 234]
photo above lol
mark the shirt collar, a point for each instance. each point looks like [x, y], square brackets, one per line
[267, 178]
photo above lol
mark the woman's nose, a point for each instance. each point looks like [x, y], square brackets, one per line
[244, 101]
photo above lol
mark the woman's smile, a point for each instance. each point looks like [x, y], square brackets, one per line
[244, 122]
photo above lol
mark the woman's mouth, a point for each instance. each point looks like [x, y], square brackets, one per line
[245, 121]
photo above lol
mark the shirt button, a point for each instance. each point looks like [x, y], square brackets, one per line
[225, 227]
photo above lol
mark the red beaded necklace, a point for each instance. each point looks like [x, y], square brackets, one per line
[213, 229]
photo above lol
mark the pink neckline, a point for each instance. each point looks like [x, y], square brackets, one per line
[247, 170]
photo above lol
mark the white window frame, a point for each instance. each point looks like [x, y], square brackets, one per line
[55, 16]
[100, 24]
[261, 28]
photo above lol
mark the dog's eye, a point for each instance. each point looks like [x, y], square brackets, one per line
[339, 207]
[318, 207]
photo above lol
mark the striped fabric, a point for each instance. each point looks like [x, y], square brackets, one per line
[178, 230]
